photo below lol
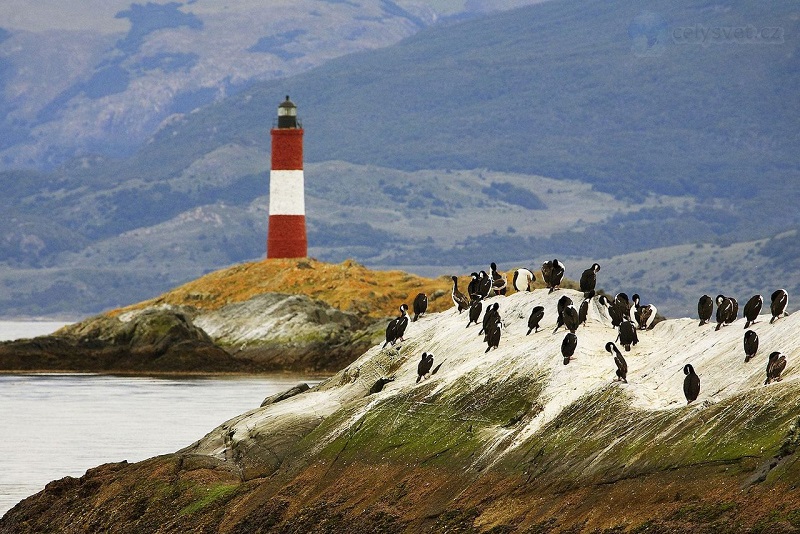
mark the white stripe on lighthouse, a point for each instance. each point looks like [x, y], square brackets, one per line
[286, 193]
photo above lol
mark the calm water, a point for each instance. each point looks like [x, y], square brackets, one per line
[27, 329]
[56, 425]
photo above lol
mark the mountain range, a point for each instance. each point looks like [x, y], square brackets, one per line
[582, 130]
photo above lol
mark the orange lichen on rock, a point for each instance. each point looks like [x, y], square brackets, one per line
[347, 286]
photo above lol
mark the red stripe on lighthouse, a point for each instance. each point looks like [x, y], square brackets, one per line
[287, 149]
[286, 236]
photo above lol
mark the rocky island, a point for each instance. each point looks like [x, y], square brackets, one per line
[269, 316]
[509, 440]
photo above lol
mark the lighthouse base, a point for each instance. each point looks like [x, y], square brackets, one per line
[286, 237]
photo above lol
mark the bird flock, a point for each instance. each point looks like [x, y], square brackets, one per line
[628, 316]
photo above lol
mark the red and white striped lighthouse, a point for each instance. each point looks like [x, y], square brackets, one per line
[286, 237]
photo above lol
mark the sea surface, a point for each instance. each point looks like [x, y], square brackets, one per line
[10, 330]
[55, 425]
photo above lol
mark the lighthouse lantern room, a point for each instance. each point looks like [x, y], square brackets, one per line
[286, 237]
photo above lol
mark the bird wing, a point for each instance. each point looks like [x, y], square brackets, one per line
[622, 365]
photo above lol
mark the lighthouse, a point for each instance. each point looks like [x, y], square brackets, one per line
[286, 237]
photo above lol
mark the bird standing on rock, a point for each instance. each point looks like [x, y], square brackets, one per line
[583, 310]
[424, 366]
[492, 337]
[724, 310]
[475, 311]
[461, 302]
[499, 284]
[646, 316]
[523, 280]
[750, 345]
[627, 334]
[775, 366]
[420, 305]
[619, 309]
[752, 309]
[691, 384]
[492, 314]
[472, 287]
[705, 309]
[568, 347]
[589, 280]
[484, 285]
[397, 327]
[553, 273]
[779, 299]
[619, 361]
[562, 305]
[533, 321]
[402, 322]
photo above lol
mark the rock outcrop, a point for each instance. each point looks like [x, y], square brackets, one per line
[270, 332]
[276, 315]
[511, 440]
[155, 340]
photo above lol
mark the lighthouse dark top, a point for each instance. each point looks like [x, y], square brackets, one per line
[286, 237]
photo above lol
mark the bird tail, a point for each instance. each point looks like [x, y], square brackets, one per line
[418, 377]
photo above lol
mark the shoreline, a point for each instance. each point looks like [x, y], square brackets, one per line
[168, 374]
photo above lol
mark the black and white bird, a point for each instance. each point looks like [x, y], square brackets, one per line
[459, 299]
[552, 274]
[402, 322]
[568, 347]
[562, 305]
[619, 361]
[627, 334]
[484, 285]
[397, 327]
[472, 287]
[705, 309]
[724, 310]
[752, 309]
[420, 305]
[734, 313]
[589, 280]
[646, 316]
[424, 366]
[583, 310]
[499, 284]
[620, 309]
[523, 280]
[475, 311]
[492, 314]
[750, 345]
[391, 332]
[691, 384]
[493, 333]
[535, 318]
[571, 318]
[775, 366]
[779, 300]
[635, 307]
